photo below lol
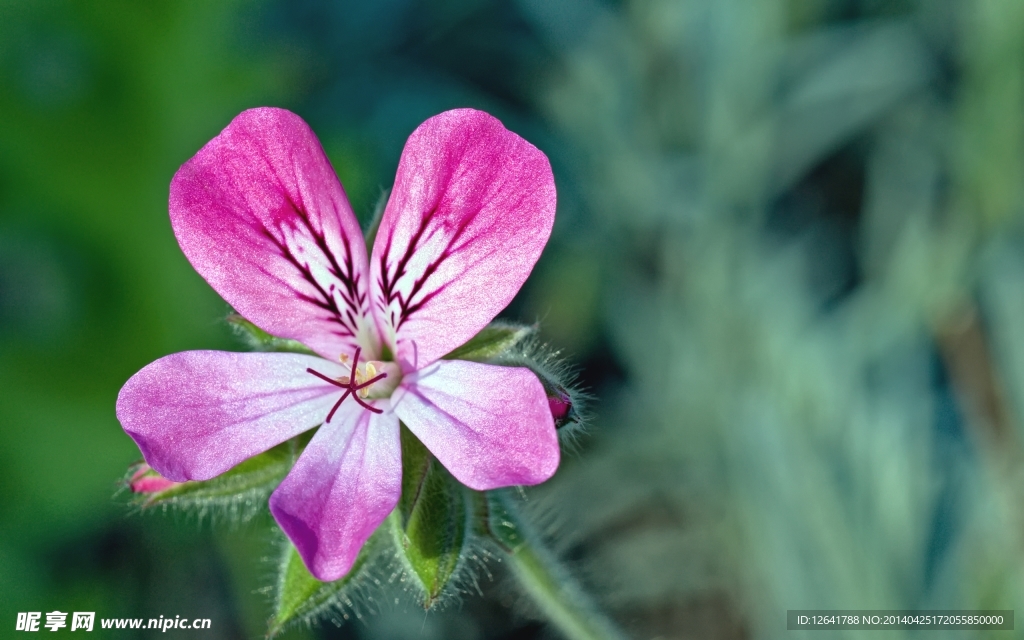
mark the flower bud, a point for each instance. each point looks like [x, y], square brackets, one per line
[144, 480]
[562, 408]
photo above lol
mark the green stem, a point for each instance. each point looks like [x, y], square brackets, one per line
[544, 579]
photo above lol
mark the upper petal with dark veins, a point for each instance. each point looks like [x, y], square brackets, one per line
[471, 210]
[261, 216]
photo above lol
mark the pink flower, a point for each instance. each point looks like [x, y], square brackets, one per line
[262, 217]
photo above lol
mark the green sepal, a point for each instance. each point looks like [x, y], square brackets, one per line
[498, 520]
[431, 526]
[301, 597]
[493, 341]
[242, 490]
[259, 340]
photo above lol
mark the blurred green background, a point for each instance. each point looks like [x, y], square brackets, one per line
[789, 259]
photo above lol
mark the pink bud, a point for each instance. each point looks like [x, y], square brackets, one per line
[145, 480]
[561, 407]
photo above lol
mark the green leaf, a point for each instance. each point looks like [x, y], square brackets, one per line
[492, 342]
[300, 596]
[432, 522]
[260, 340]
[241, 491]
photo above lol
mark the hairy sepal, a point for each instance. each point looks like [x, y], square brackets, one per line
[259, 340]
[559, 379]
[301, 598]
[493, 342]
[239, 493]
[431, 528]
[496, 519]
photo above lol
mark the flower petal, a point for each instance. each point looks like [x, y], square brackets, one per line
[196, 414]
[470, 212]
[262, 217]
[344, 484]
[489, 425]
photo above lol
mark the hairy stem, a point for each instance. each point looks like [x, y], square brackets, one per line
[555, 593]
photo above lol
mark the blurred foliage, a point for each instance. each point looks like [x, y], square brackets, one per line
[789, 256]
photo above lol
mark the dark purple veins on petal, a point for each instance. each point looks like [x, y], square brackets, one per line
[347, 275]
[407, 305]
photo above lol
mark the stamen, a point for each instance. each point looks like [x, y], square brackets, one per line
[370, 371]
[372, 380]
[351, 384]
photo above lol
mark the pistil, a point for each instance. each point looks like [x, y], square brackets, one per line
[352, 385]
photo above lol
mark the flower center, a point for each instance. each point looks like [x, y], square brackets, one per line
[361, 383]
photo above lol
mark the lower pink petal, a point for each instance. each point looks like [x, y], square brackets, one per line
[344, 484]
[490, 426]
[196, 414]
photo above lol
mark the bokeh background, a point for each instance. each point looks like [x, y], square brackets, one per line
[789, 260]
